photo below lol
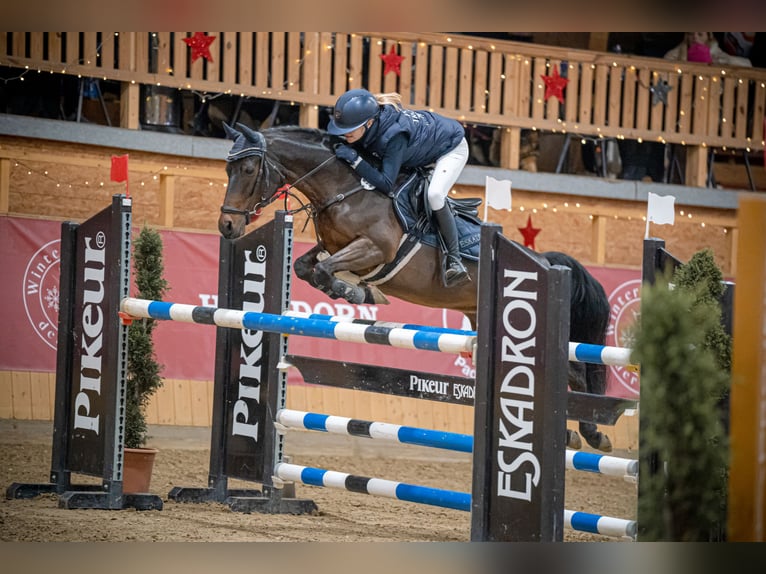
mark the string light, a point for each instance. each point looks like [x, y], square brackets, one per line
[84, 183]
[536, 208]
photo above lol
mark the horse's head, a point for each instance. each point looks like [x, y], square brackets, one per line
[249, 186]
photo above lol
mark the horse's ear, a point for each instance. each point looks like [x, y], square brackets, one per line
[231, 133]
[249, 133]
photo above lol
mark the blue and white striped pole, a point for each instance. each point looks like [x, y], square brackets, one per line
[582, 521]
[585, 461]
[400, 335]
[374, 486]
[349, 332]
[580, 352]
[600, 354]
[343, 319]
[603, 464]
[375, 430]
[597, 524]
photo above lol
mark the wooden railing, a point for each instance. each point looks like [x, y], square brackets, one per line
[474, 80]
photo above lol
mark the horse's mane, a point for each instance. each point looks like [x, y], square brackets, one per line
[310, 136]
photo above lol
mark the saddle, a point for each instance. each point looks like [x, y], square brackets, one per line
[414, 214]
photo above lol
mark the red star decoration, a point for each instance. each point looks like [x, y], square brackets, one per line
[393, 62]
[529, 233]
[554, 85]
[200, 46]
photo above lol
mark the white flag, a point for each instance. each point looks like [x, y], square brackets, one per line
[497, 194]
[661, 209]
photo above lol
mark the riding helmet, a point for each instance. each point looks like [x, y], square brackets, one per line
[351, 111]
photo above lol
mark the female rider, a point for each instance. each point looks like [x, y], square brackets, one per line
[405, 138]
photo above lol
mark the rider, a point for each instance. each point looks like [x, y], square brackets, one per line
[405, 138]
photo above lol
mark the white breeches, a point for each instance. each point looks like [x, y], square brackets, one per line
[446, 171]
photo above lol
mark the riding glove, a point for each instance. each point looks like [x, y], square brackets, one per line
[348, 154]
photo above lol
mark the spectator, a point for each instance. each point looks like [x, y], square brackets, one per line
[703, 47]
[697, 47]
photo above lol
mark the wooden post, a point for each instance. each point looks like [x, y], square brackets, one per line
[733, 236]
[747, 473]
[510, 142]
[598, 41]
[696, 166]
[308, 116]
[129, 92]
[5, 185]
[129, 105]
[598, 239]
[167, 199]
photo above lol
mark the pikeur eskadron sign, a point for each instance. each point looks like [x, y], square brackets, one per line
[518, 492]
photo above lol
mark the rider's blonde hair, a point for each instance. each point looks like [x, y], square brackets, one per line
[391, 99]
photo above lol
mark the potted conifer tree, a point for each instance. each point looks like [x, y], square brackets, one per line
[143, 370]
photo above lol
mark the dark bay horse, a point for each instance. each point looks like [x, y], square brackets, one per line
[360, 231]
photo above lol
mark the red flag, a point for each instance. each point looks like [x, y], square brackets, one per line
[119, 168]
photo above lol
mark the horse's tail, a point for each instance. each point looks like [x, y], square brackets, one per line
[589, 314]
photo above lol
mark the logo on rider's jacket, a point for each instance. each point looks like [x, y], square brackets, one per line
[624, 307]
[40, 291]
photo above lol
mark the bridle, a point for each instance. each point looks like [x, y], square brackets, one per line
[241, 154]
[284, 190]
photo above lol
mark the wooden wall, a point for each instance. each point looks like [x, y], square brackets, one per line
[47, 180]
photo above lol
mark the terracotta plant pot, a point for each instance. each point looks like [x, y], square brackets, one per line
[137, 469]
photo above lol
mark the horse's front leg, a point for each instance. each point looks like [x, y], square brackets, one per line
[304, 269]
[358, 255]
[304, 265]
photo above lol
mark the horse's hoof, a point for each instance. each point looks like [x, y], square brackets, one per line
[573, 440]
[600, 442]
[352, 294]
[356, 296]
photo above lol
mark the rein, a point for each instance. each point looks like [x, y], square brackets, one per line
[283, 191]
[311, 211]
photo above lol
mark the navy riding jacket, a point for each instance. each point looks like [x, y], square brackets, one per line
[405, 138]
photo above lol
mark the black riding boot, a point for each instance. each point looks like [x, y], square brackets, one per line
[455, 273]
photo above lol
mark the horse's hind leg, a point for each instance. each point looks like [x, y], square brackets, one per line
[576, 381]
[595, 380]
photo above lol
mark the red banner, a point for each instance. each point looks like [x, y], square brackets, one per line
[29, 256]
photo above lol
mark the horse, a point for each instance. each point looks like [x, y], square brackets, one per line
[359, 233]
